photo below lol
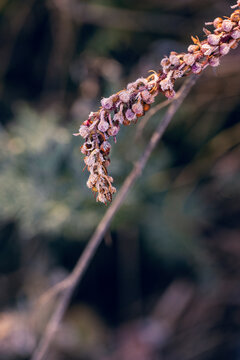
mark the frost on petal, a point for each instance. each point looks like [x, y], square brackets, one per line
[227, 25]
[103, 126]
[214, 61]
[113, 131]
[130, 115]
[207, 49]
[235, 34]
[118, 117]
[84, 131]
[107, 103]
[124, 96]
[174, 60]
[105, 147]
[224, 49]
[196, 68]
[137, 108]
[146, 96]
[166, 84]
[189, 59]
[101, 198]
[213, 39]
[192, 48]
[92, 180]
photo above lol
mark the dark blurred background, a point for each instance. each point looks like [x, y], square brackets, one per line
[165, 283]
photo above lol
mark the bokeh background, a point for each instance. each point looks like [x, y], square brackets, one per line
[165, 283]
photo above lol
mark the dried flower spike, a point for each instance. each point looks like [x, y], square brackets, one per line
[129, 104]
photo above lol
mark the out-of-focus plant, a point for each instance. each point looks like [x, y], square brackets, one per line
[40, 177]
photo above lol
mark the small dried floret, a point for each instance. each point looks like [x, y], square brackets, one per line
[130, 115]
[103, 125]
[217, 22]
[113, 131]
[224, 49]
[147, 97]
[213, 39]
[174, 59]
[84, 131]
[118, 117]
[236, 34]
[196, 68]
[207, 49]
[105, 147]
[166, 84]
[107, 103]
[124, 96]
[189, 59]
[137, 108]
[227, 25]
[214, 61]
[193, 48]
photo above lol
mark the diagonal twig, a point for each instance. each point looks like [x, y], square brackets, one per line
[150, 114]
[87, 255]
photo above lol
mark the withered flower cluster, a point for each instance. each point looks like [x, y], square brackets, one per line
[128, 105]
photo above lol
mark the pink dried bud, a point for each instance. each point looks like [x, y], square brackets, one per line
[196, 68]
[113, 131]
[174, 60]
[189, 59]
[214, 61]
[141, 82]
[207, 49]
[136, 84]
[118, 117]
[107, 103]
[90, 160]
[84, 149]
[147, 97]
[130, 115]
[92, 180]
[170, 94]
[234, 45]
[224, 49]
[103, 126]
[166, 84]
[137, 108]
[217, 22]
[192, 48]
[165, 63]
[213, 39]
[124, 96]
[84, 131]
[227, 25]
[101, 198]
[106, 163]
[105, 147]
[235, 34]
[177, 74]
